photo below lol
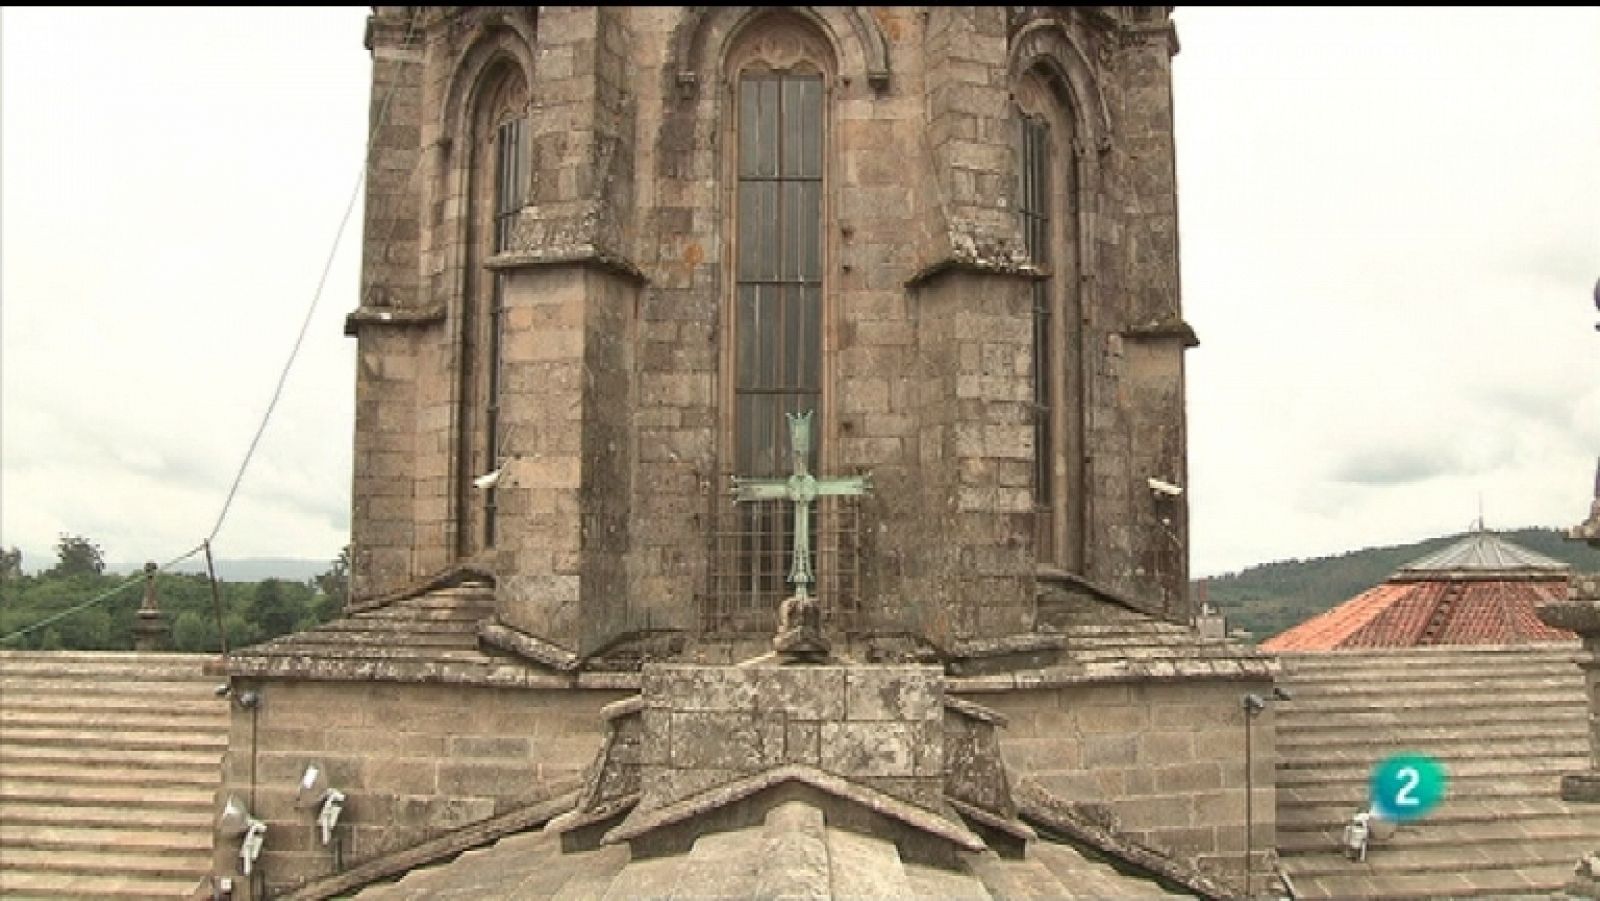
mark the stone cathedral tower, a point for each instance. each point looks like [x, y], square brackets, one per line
[609, 252]
[608, 248]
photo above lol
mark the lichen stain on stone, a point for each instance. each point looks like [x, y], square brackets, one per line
[694, 254]
[888, 22]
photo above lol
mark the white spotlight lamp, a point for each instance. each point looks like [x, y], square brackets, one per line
[315, 793]
[235, 822]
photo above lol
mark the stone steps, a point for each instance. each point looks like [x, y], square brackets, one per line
[54, 736]
[21, 755]
[124, 719]
[1527, 882]
[1494, 766]
[49, 815]
[1412, 696]
[44, 884]
[1456, 748]
[1481, 800]
[130, 774]
[109, 765]
[1444, 859]
[1322, 720]
[1439, 831]
[1507, 723]
[125, 838]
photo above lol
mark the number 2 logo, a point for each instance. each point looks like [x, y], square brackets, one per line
[1411, 778]
[1407, 786]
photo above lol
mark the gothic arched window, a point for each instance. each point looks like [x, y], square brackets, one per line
[1048, 210]
[778, 71]
[496, 187]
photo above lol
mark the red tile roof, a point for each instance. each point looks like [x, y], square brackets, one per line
[1402, 614]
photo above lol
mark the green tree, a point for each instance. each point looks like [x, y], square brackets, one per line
[274, 612]
[77, 556]
[335, 582]
[191, 632]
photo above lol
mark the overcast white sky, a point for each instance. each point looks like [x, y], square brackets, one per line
[1390, 232]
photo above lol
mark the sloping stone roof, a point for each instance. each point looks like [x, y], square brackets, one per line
[1505, 722]
[110, 762]
[428, 636]
[794, 853]
[1480, 590]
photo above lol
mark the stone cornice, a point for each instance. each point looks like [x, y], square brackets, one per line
[393, 316]
[576, 255]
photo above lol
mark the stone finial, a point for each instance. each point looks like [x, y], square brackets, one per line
[150, 630]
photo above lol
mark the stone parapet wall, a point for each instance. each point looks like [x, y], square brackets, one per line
[880, 726]
[1167, 759]
[414, 761]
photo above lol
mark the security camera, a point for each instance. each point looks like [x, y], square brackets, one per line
[488, 480]
[1281, 693]
[1166, 489]
[222, 690]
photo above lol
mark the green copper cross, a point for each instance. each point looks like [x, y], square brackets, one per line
[800, 489]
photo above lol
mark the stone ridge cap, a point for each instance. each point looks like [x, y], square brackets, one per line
[449, 577]
[490, 673]
[1172, 670]
[1046, 574]
[640, 822]
[975, 711]
[524, 645]
[1014, 828]
[1039, 804]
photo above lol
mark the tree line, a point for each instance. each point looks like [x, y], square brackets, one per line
[252, 612]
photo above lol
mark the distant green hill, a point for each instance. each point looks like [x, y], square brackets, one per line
[1271, 597]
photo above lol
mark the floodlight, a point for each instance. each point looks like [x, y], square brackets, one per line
[315, 793]
[1165, 489]
[235, 821]
[248, 699]
[1254, 704]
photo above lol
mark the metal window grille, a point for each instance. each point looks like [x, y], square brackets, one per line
[777, 333]
[751, 555]
[508, 180]
[1034, 209]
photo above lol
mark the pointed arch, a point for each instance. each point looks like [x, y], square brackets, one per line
[1045, 44]
[496, 38]
[700, 41]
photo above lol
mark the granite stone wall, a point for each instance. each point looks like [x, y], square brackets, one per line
[415, 761]
[1166, 758]
[618, 338]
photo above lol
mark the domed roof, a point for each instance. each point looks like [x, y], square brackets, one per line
[1481, 551]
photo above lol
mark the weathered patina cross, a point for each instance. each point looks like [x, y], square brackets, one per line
[800, 489]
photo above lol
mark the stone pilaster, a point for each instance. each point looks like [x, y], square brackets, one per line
[571, 293]
[383, 521]
[1580, 613]
[1153, 335]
